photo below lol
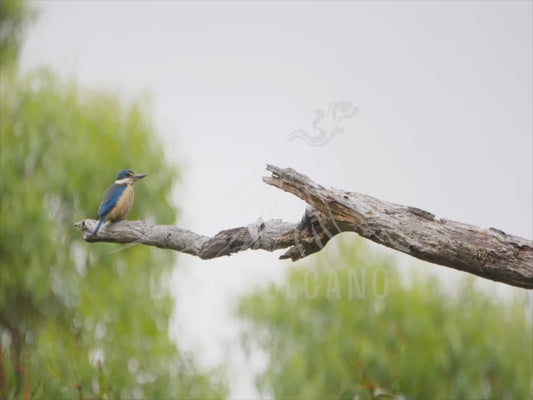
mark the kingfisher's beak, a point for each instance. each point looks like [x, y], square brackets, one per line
[136, 177]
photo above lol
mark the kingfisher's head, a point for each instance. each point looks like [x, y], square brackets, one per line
[128, 176]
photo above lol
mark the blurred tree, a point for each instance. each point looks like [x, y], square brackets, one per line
[77, 319]
[346, 327]
[14, 17]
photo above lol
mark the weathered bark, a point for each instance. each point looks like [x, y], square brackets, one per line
[489, 253]
[265, 235]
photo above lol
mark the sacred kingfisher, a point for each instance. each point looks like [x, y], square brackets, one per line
[118, 199]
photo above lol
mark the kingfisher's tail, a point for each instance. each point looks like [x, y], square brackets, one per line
[102, 219]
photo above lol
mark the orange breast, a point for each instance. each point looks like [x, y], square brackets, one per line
[124, 205]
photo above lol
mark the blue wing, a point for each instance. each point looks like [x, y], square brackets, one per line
[111, 197]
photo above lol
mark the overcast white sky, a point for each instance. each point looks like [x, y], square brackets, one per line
[444, 92]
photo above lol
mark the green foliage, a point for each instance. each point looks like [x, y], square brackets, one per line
[77, 318]
[346, 327]
[14, 16]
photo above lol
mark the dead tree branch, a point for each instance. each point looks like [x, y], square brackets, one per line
[489, 253]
